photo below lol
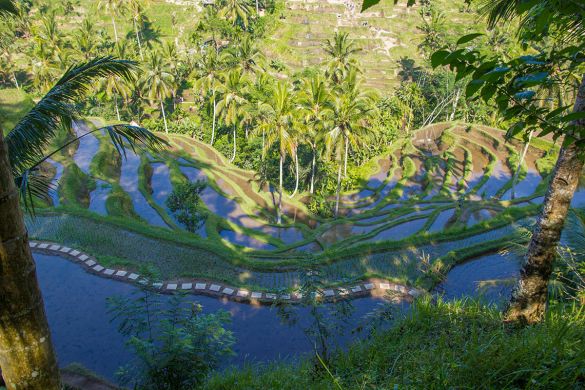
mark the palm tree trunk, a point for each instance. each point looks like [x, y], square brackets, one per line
[162, 109]
[138, 40]
[279, 210]
[296, 175]
[27, 358]
[313, 164]
[522, 157]
[455, 102]
[116, 104]
[528, 301]
[115, 28]
[257, 8]
[15, 80]
[345, 157]
[234, 154]
[338, 190]
[213, 122]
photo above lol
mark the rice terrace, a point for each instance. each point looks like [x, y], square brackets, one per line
[445, 192]
[292, 194]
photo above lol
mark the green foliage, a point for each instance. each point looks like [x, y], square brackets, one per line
[176, 345]
[185, 204]
[438, 344]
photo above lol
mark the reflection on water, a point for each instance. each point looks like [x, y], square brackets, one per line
[75, 302]
[54, 192]
[129, 183]
[98, 197]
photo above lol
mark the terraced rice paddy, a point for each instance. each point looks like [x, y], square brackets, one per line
[446, 193]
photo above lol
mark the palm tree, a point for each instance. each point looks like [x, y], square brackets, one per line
[136, 8]
[278, 126]
[157, 83]
[26, 351]
[245, 55]
[314, 102]
[348, 114]
[207, 84]
[117, 86]
[114, 7]
[233, 90]
[341, 51]
[236, 11]
[529, 298]
[85, 38]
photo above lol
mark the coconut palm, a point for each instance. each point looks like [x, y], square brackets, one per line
[26, 351]
[157, 83]
[233, 91]
[245, 55]
[314, 101]
[136, 8]
[209, 68]
[236, 11]
[529, 298]
[341, 51]
[116, 86]
[278, 127]
[348, 115]
[114, 7]
[85, 38]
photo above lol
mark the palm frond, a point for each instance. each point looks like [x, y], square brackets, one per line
[27, 141]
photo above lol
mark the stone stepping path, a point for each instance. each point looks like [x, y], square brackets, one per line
[217, 289]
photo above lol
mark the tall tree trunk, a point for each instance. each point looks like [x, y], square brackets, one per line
[234, 154]
[138, 40]
[296, 175]
[345, 157]
[279, 210]
[338, 190]
[115, 28]
[27, 358]
[15, 80]
[528, 301]
[257, 8]
[117, 109]
[213, 121]
[455, 102]
[522, 157]
[162, 109]
[313, 164]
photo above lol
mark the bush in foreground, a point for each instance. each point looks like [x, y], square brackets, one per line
[442, 345]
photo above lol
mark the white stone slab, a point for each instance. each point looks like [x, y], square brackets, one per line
[43, 246]
[200, 286]
[270, 296]
[256, 295]
[385, 286]
[109, 272]
[98, 268]
[133, 276]
[285, 296]
[171, 286]
[65, 250]
[328, 293]
[356, 289]
[32, 244]
[122, 273]
[414, 293]
[83, 257]
[55, 247]
[228, 291]
[186, 286]
[298, 295]
[90, 263]
[243, 293]
[369, 286]
[215, 287]
[343, 291]
[74, 253]
[157, 285]
[401, 289]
